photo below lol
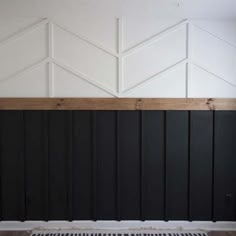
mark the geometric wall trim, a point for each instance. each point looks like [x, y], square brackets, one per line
[172, 83]
[68, 84]
[214, 86]
[146, 69]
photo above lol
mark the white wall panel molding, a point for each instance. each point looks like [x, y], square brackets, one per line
[169, 83]
[89, 60]
[68, 84]
[213, 34]
[214, 54]
[89, 41]
[31, 83]
[125, 70]
[155, 58]
[120, 25]
[154, 38]
[153, 77]
[25, 70]
[189, 59]
[20, 54]
[213, 86]
[21, 33]
[10, 26]
[213, 74]
[84, 77]
[50, 56]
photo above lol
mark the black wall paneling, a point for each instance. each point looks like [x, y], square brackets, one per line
[12, 165]
[82, 200]
[117, 165]
[129, 165]
[201, 161]
[225, 166]
[177, 165]
[59, 160]
[153, 165]
[106, 201]
[36, 165]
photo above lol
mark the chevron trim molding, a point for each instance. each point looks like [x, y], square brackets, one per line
[120, 54]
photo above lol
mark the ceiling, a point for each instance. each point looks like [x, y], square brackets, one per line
[192, 9]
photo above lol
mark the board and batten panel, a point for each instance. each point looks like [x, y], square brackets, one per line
[117, 165]
[36, 165]
[59, 159]
[82, 179]
[153, 165]
[12, 166]
[224, 166]
[177, 138]
[201, 163]
[106, 172]
[129, 165]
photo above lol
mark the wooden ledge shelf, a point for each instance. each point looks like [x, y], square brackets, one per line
[117, 104]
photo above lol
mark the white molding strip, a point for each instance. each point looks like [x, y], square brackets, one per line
[89, 41]
[25, 70]
[214, 35]
[50, 55]
[189, 59]
[211, 73]
[160, 73]
[119, 225]
[21, 33]
[154, 38]
[120, 23]
[120, 54]
[84, 77]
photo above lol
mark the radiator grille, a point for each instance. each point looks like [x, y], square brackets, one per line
[58, 233]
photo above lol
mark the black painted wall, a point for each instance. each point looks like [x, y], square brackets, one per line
[118, 165]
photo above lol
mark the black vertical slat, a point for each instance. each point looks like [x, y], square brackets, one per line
[70, 164]
[12, 165]
[46, 156]
[213, 167]
[129, 164]
[94, 165]
[1, 113]
[106, 165]
[224, 166]
[201, 140]
[153, 164]
[36, 159]
[177, 165]
[141, 170]
[117, 120]
[164, 169]
[82, 165]
[59, 151]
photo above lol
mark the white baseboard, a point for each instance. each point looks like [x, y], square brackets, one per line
[159, 225]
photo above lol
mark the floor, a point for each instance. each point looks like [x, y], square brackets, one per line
[25, 233]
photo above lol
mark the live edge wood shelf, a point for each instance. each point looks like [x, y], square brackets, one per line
[117, 159]
[117, 104]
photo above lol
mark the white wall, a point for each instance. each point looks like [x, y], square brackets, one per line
[117, 57]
